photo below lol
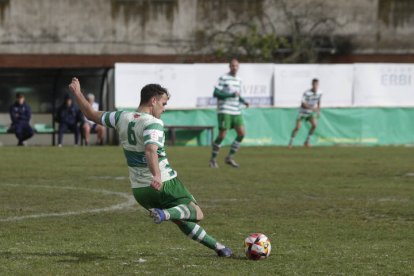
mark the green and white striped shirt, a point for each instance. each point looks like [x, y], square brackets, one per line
[311, 99]
[227, 102]
[135, 131]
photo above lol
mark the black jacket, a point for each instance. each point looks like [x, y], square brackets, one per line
[20, 113]
[68, 115]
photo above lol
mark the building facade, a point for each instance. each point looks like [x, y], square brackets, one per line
[144, 30]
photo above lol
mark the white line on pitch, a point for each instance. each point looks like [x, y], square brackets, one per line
[130, 201]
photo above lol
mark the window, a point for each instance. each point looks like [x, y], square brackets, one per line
[45, 89]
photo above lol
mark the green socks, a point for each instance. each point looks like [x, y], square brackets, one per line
[197, 233]
[216, 148]
[235, 146]
[181, 212]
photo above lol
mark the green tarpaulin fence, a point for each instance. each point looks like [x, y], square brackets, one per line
[272, 126]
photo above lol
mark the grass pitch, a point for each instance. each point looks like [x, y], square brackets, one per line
[327, 211]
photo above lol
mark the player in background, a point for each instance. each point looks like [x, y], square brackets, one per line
[154, 182]
[309, 111]
[229, 101]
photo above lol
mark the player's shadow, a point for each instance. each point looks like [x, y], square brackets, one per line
[81, 257]
[65, 257]
[233, 257]
[238, 257]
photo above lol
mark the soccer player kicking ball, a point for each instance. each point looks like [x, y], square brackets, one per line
[309, 111]
[154, 183]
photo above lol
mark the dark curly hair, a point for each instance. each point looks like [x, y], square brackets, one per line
[151, 90]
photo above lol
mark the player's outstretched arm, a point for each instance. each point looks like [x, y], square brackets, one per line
[84, 105]
[152, 160]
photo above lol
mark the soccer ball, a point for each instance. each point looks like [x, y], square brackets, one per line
[257, 246]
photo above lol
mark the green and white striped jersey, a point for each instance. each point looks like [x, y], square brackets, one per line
[135, 131]
[226, 86]
[311, 99]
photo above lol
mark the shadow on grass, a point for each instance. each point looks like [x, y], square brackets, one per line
[85, 257]
[69, 257]
[236, 256]
[239, 257]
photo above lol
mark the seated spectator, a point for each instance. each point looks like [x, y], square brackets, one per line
[20, 114]
[89, 125]
[69, 118]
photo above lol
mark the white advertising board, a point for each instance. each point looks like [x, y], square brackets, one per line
[256, 83]
[335, 82]
[385, 84]
[190, 85]
[179, 79]
[342, 85]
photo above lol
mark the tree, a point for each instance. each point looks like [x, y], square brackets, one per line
[307, 34]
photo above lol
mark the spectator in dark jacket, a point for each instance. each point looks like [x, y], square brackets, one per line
[20, 114]
[69, 118]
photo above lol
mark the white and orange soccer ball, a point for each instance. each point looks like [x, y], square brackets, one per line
[257, 246]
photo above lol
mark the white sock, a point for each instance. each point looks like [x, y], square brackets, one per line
[219, 246]
[167, 214]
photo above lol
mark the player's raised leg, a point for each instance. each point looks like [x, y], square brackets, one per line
[171, 202]
[185, 217]
[182, 210]
[294, 132]
[313, 123]
[235, 146]
[188, 212]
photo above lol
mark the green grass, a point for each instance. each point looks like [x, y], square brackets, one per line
[327, 211]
